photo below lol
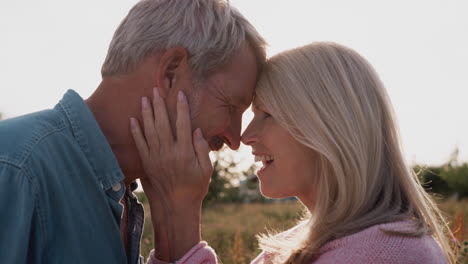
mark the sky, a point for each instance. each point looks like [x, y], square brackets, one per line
[419, 48]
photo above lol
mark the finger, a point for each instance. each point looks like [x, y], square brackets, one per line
[138, 137]
[202, 150]
[161, 120]
[148, 123]
[183, 127]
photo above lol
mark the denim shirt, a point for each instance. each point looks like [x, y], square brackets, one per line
[60, 187]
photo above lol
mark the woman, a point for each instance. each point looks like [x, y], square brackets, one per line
[325, 132]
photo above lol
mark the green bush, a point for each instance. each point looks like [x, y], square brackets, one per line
[448, 180]
[432, 181]
[456, 177]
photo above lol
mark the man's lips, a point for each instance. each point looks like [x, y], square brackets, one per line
[212, 147]
[216, 143]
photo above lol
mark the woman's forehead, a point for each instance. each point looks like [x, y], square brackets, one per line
[257, 103]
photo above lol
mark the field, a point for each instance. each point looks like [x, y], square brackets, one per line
[230, 228]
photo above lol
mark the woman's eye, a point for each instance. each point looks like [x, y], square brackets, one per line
[261, 113]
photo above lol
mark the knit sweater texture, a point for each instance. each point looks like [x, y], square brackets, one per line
[370, 245]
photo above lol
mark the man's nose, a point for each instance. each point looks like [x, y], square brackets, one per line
[232, 134]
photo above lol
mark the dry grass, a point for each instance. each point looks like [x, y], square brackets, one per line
[231, 228]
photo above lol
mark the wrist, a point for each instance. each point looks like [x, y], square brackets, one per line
[176, 228]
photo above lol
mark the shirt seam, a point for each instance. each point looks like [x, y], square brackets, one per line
[30, 148]
[9, 163]
[23, 172]
[37, 205]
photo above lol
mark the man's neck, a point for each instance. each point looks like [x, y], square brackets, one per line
[112, 104]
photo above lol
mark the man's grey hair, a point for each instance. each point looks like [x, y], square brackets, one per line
[211, 31]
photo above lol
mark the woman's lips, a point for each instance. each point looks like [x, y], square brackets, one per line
[266, 165]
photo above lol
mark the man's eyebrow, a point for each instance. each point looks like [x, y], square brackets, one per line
[246, 104]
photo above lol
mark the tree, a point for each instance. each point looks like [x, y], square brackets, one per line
[229, 184]
[223, 187]
[432, 181]
[456, 175]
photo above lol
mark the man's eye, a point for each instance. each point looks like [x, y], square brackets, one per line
[266, 115]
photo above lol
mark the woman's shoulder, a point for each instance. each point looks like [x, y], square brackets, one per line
[291, 233]
[373, 245]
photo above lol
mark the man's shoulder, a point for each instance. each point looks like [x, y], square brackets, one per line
[19, 136]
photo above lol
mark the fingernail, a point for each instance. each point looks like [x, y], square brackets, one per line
[155, 92]
[145, 103]
[180, 96]
[133, 122]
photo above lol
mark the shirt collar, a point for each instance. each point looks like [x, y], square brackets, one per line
[91, 139]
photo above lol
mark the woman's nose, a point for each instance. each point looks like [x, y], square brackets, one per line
[250, 135]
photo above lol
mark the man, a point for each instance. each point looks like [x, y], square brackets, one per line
[67, 174]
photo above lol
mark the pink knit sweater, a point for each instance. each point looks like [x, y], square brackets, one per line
[370, 245]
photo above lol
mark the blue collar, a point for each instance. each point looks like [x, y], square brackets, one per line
[91, 139]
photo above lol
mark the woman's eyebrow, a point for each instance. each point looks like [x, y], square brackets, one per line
[256, 105]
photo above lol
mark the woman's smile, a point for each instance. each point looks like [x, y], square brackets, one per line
[266, 160]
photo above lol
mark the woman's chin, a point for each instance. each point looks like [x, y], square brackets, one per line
[271, 194]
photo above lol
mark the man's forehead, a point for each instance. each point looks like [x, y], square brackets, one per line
[241, 76]
[246, 101]
[242, 96]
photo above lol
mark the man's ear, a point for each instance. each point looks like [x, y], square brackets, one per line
[172, 65]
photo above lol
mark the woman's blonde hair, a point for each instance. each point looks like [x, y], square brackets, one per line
[331, 100]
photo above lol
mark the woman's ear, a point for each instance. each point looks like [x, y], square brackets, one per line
[172, 65]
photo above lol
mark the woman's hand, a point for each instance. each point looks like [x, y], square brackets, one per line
[178, 171]
[177, 166]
